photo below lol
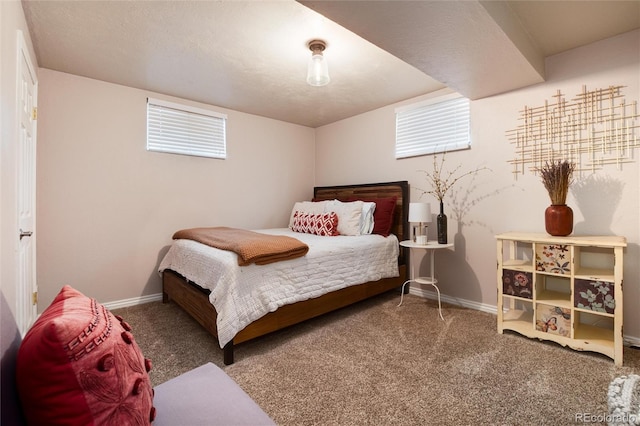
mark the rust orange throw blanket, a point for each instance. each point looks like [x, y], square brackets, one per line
[251, 247]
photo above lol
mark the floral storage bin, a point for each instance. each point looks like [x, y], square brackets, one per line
[517, 283]
[553, 258]
[553, 320]
[594, 295]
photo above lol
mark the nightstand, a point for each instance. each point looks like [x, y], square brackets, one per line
[431, 247]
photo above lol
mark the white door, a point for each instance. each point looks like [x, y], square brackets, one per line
[27, 308]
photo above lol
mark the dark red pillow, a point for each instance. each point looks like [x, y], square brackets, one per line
[79, 364]
[383, 214]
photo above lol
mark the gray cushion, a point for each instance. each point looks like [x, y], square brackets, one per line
[205, 396]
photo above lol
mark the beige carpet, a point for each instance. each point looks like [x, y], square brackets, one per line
[376, 363]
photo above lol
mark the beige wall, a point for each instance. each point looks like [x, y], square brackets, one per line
[11, 21]
[107, 208]
[361, 149]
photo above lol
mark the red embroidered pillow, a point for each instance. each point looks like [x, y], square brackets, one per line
[325, 224]
[79, 364]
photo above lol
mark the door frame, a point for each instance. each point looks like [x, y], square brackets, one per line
[26, 291]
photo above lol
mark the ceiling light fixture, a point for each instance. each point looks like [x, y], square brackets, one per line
[317, 72]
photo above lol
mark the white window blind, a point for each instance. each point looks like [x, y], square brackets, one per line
[182, 129]
[439, 125]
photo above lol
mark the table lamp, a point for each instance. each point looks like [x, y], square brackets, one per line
[420, 216]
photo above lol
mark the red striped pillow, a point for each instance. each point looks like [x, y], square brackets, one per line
[325, 224]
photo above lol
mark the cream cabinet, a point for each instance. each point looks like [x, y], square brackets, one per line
[564, 289]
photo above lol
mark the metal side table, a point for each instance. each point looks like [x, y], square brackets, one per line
[431, 247]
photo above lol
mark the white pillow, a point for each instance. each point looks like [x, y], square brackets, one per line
[308, 207]
[349, 215]
[366, 220]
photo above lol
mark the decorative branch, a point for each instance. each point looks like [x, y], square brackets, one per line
[442, 184]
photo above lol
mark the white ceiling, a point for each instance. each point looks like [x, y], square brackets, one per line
[251, 56]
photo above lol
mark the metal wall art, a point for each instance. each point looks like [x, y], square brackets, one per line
[594, 129]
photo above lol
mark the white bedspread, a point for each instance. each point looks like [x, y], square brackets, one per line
[242, 294]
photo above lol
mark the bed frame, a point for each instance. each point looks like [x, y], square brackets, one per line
[195, 300]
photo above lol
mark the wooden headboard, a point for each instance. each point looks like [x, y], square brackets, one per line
[398, 189]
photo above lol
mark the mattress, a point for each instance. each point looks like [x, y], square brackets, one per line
[242, 294]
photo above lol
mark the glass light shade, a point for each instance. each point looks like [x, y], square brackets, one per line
[318, 72]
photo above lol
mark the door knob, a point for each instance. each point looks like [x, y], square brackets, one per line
[25, 233]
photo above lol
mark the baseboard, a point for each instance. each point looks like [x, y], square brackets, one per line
[630, 341]
[125, 303]
[454, 300]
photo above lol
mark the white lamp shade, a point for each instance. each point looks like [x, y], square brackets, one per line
[419, 212]
[318, 72]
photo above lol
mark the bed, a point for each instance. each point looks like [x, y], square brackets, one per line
[196, 299]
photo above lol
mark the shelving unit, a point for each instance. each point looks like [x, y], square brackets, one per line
[563, 289]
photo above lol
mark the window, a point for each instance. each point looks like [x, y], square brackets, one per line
[437, 125]
[182, 129]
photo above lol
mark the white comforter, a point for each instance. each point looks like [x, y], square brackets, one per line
[242, 294]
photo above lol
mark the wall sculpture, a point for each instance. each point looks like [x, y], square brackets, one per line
[597, 128]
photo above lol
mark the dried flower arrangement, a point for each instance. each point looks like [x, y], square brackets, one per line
[557, 177]
[440, 183]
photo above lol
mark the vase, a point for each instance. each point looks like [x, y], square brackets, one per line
[442, 225]
[558, 220]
